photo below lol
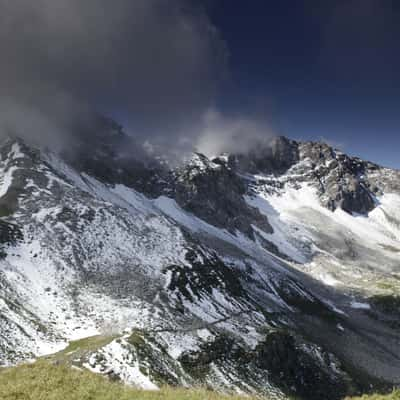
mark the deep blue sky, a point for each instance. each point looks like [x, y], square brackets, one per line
[317, 69]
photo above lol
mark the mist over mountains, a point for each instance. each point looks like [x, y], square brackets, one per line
[156, 66]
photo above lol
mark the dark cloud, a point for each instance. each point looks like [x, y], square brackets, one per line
[156, 64]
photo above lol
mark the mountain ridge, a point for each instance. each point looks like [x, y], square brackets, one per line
[194, 269]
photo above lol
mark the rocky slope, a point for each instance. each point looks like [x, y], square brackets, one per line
[273, 272]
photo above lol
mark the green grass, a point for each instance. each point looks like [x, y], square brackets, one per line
[393, 396]
[389, 285]
[87, 344]
[43, 380]
[80, 349]
[136, 338]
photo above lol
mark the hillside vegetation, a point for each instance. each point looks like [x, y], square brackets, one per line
[394, 396]
[43, 380]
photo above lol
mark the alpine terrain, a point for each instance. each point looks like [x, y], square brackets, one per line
[275, 272]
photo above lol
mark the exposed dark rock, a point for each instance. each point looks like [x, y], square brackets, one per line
[342, 179]
[223, 349]
[113, 157]
[275, 156]
[207, 272]
[386, 308]
[295, 370]
[10, 234]
[214, 193]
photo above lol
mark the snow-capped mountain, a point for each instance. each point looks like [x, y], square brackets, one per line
[271, 272]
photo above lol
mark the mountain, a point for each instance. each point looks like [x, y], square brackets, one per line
[273, 272]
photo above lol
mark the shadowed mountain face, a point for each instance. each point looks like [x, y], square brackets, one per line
[273, 272]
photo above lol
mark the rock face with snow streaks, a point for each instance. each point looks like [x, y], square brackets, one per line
[267, 272]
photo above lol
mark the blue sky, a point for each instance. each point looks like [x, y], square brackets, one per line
[317, 70]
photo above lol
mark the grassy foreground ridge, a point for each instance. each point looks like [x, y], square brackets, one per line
[394, 396]
[46, 381]
[43, 380]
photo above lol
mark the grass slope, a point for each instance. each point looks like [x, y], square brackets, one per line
[79, 350]
[43, 380]
[394, 396]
